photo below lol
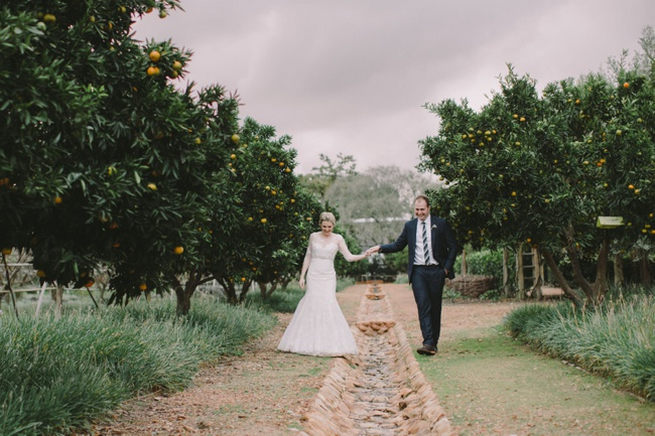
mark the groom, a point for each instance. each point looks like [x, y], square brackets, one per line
[431, 255]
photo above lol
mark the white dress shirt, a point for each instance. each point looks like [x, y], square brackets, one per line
[419, 257]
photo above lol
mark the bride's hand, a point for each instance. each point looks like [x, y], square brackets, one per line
[301, 283]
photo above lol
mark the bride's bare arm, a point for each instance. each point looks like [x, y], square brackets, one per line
[343, 248]
[305, 263]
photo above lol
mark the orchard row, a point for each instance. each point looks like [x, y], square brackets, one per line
[106, 162]
[542, 168]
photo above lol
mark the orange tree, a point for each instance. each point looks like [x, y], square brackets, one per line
[542, 169]
[190, 184]
[77, 95]
[273, 214]
[103, 159]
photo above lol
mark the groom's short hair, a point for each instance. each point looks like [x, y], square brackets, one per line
[424, 198]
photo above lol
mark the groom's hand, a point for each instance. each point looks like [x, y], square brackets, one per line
[372, 250]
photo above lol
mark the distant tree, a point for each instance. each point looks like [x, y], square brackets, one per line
[322, 177]
[373, 205]
[641, 62]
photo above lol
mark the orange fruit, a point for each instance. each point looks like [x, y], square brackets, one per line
[58, 200]
[89, 284]
[116, 244]
[631, 187]
[626, 85]
[6, 251]
[152, 186]
[177, 65]
[235, 138]
[149, 10]
[153, 71]
[233, 156]
[49, 18]
[143, 286]
[263, 220]
[243, 279]
[163, 14]
[179, 249]
[154, 56]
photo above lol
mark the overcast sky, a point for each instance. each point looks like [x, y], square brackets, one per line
[352, 76]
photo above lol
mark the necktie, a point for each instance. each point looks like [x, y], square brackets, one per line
[426, 249]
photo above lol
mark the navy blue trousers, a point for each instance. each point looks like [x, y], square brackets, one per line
[427, 284]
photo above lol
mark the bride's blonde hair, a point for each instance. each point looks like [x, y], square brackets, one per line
[327, 216]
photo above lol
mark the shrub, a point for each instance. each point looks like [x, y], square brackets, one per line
[616, 339]
[56, 375]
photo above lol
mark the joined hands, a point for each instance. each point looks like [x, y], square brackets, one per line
[372, 250]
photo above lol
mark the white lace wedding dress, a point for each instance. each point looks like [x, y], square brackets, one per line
[318, 326]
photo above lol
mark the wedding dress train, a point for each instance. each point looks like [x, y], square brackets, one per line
[318, 326]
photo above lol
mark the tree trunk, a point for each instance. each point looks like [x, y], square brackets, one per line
[619, 278]
[58, 295]
[520, 279]
[506, 285]
[184, 293]
[183, 302]
[559, 276]
[265, 291]
[245, 287]
[578, 276]
[538, 274]
[600, 284]
[230, 291]
[644, 271]
[464, 264]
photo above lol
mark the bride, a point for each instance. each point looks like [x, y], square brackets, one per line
[318, 326]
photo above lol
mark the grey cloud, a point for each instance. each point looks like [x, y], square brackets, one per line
[351, 76]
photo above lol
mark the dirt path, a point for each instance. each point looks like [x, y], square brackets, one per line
[261, 392]
[267, 392]
[264, 391]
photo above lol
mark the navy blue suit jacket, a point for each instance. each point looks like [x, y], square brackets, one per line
[444, 245]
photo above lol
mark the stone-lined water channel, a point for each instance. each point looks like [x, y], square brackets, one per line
[381, 391]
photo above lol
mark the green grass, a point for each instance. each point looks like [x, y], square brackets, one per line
[286, 300]
[489, 383]
[617, 340]
[56, 375]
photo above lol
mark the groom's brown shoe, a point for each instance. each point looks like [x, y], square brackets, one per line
[427, 350]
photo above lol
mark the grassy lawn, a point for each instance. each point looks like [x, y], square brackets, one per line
[489, 383]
